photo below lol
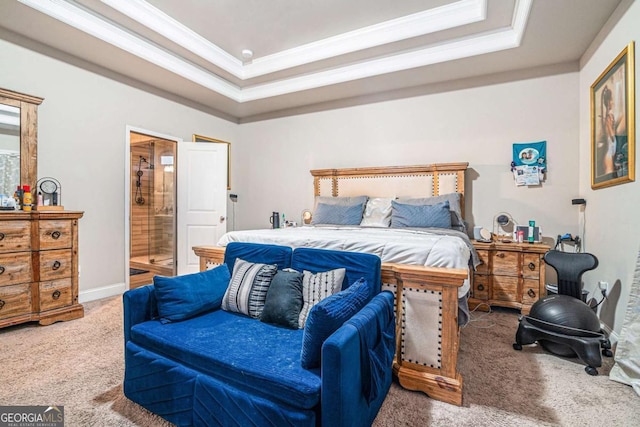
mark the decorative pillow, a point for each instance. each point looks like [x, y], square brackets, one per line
[248, 288]
[327, 316]
[284, 300]
[337, 214]
[457, 222]
[437, 215]
[316, 287]
[377, 212]
[182, 297]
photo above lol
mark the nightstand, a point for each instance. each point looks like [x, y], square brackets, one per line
[511, 275]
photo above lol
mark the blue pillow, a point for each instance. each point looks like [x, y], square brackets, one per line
[405, 215]
[338, 214]
[182, 297]
[327, 316]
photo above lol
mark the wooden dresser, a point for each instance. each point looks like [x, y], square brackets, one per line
[39, 267]
[511, 275]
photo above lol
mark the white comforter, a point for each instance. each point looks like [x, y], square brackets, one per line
[404, 246]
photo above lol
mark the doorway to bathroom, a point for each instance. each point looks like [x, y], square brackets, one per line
[152, 234]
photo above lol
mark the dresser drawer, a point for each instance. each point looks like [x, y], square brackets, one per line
[55, 264]
[15, 268]
[505, 263]
[531, 266]
[55, 294]
[505, 288]
[481, 285]
[55, 234]
[15, 236]
[484, 259]
[15, 300]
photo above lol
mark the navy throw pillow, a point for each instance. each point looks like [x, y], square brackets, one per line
[182, 297]
[284, 300]
[404, 215]
[327, 316]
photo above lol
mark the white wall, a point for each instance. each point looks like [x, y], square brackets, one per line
[613, 231]
[81, 142]
[272, 161]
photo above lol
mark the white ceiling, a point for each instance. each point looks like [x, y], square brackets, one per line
[308, 54]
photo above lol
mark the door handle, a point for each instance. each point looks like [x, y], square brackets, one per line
[222, 218]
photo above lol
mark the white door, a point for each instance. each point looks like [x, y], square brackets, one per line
[201, 199]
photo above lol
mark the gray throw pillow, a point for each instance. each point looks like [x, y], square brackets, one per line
[337, 214]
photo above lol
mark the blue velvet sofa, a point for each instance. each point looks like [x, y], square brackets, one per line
[224, 368]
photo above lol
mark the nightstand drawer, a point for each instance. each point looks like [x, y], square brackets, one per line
[481, 286]
[505, 288]
[55, 294]
[531, 266]
[530, 291]
[505, 263]
[15, 300]
[15, 268]
[484, 259]
[15, 236]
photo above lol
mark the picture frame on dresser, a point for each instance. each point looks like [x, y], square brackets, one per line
[613, 122]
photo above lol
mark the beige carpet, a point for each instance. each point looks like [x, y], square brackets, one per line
[79, 364]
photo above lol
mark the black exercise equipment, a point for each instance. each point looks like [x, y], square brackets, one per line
[563, 323]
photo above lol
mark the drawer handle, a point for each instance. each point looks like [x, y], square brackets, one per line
[55, 235]
[55, 294]
[1, 236]
[2, 303]
[1, 269]
[500, 255]
[532, 266]
[531, 293]
[481, 287]
[56, 265]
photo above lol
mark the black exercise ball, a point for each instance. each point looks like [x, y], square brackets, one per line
[566, 315]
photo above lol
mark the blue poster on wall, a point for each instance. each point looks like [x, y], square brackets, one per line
[529, 162]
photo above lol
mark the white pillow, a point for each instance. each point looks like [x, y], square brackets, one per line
[316, 287]
[377, 212]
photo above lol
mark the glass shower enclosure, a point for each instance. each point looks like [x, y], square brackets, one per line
[153, 207]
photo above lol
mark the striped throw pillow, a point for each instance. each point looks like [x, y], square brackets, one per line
[316, 287]
[248, 288]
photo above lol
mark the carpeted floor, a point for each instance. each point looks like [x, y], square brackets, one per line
[79, 364]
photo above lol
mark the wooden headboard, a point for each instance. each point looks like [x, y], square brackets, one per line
[392, 181]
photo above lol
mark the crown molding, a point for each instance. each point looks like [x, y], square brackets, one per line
[478, 44]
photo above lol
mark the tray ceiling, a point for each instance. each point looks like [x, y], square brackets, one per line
[307, 55]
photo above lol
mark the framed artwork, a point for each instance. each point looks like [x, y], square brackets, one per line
[200, 138]
[613, 122]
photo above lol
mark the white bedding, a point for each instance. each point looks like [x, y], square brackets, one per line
[404, 246]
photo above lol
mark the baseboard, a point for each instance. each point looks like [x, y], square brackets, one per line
[103, 292]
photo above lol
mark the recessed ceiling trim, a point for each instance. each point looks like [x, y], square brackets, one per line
[418, 24]
[158, 21]
[452, 15]
[91, 24]
[462, 48]
[109, 32]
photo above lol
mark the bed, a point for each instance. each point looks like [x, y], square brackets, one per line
[428, 272]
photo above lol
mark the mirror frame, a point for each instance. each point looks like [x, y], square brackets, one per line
[28, 106]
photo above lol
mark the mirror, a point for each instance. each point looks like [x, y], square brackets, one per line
[9, 149]
[18, 140]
